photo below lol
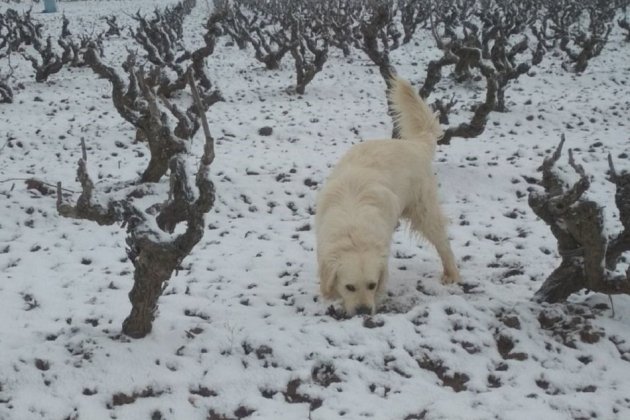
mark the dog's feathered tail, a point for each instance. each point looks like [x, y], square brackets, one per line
[412, 115]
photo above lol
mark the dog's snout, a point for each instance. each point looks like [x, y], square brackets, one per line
[364, 310]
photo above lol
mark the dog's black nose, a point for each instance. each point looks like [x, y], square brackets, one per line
[364, 310]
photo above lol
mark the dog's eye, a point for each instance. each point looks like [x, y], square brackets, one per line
[372, 286]
[351, 288]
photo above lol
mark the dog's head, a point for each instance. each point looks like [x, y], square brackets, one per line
[356, 277]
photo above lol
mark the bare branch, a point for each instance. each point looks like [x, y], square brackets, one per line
[208, 156]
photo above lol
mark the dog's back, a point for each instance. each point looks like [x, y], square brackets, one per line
[399, 165]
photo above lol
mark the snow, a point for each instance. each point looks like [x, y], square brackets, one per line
[243, 318]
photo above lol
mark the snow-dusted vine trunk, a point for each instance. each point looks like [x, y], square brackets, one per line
[156, 254]
[152, 247]
[589, 256]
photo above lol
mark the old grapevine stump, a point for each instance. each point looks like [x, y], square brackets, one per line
[578, 225]
[156, 254]
[152, 246]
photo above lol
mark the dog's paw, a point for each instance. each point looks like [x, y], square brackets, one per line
[450, 277]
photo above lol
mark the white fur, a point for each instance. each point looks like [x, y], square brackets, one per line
[374, 185]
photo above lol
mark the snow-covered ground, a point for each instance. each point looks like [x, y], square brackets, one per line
[241, 331]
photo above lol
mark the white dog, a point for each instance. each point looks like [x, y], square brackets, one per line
[375, 184]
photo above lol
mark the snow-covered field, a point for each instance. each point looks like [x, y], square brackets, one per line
[241, 331]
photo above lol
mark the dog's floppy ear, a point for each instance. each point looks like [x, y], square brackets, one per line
[327, 279]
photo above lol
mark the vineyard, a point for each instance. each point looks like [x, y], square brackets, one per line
[159, 163]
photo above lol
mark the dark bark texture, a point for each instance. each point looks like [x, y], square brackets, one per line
[588, 258]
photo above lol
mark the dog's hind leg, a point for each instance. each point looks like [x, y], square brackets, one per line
[428, 221]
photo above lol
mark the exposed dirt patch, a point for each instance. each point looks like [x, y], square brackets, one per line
[455, 380]
[420, 416]
[324, 375]
[505, 345]
[570, 325]
[372, 322]
[293, 396]
[203, 391]
[240, 413]
[122, 399]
